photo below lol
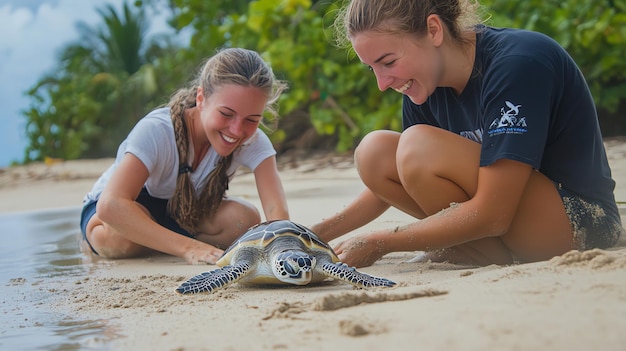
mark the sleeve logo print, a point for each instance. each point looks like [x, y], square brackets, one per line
[509, 121]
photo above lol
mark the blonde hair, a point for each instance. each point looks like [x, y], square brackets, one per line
[405, 16]
[228, 66]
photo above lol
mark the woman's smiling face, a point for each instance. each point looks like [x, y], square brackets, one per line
[231, 115]
[405, 64]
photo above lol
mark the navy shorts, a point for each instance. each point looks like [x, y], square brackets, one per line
[594, 225]
[157, 208]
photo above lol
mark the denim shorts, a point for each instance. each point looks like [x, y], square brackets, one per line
[594, 225]
[157, 208]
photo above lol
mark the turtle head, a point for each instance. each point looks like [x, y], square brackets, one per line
[294, 267]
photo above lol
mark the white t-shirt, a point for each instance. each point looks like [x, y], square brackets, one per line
[152, 141]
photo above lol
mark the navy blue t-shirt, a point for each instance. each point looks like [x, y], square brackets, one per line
[526, 101]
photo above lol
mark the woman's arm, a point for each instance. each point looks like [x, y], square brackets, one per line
[118, 209]
[270, 189]
[490, 212]
[364, 209]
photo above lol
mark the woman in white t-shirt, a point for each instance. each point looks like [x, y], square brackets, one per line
[166, 190]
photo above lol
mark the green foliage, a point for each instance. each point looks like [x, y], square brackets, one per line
[205, 18]
[592, 31]
[101, 87]
[113, 75]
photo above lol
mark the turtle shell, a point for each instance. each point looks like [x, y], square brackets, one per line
[263, 234]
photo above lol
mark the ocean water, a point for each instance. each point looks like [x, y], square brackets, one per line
[37, 247]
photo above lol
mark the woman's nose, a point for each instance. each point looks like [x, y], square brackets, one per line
[384, 81]
[236, 126]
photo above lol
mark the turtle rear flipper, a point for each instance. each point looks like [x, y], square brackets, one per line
[211, 281]
[349, 274]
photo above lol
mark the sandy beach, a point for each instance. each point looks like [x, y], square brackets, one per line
[576, 301]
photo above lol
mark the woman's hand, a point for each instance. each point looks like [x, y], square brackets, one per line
[202, 253]
[360, 251]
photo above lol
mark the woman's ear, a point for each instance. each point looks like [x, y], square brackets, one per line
[435, 29]
[199, 97]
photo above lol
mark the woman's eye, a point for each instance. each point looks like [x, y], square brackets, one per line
[390, 63]
[226, 114]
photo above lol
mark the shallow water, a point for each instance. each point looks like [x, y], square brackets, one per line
[35, 247]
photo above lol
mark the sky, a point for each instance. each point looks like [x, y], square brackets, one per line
[33, 32]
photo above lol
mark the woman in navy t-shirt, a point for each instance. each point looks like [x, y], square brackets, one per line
[501, 157]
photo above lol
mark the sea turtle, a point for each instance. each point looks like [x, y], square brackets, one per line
[278, 252]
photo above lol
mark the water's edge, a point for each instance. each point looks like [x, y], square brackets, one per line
[37, 251]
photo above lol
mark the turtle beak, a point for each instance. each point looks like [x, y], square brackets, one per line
[294, 267]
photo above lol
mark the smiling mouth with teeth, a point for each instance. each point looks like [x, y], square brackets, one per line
[228, 139]
[404, 88]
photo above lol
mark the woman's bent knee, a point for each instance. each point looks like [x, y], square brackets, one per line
[376, 154]
[421, 142]
[376, 144]
[113, 246]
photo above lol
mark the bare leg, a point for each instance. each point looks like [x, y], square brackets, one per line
[434, 168]
[109, 243]
[380, 163]
[232, 219]
[375, 159]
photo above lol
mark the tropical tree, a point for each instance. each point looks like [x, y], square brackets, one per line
[102, 86]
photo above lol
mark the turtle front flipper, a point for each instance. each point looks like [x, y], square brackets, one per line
[211, 281]
[342, 271]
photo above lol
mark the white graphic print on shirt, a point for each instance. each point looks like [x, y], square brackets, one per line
[509, 121]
